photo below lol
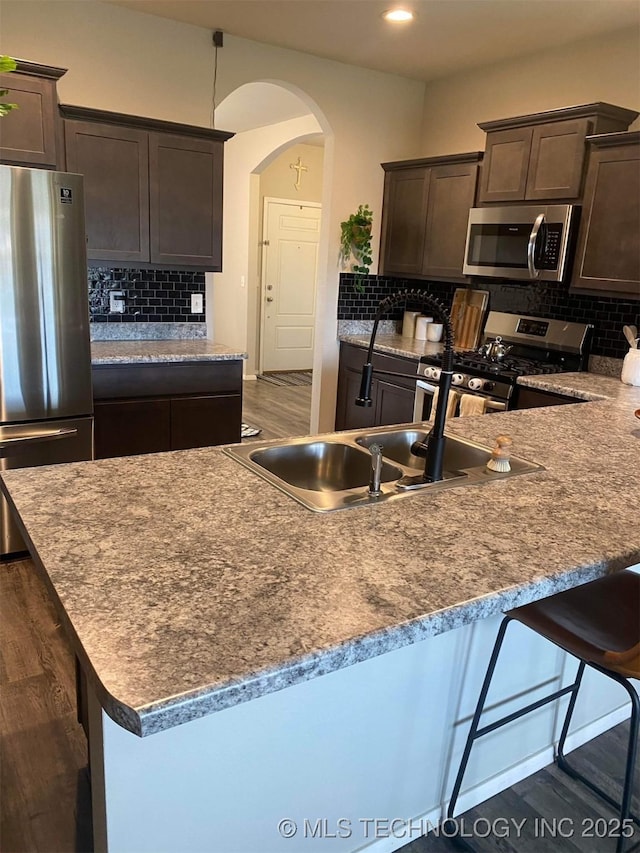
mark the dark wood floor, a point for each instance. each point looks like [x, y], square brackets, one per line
[44, 788]
[278, 411]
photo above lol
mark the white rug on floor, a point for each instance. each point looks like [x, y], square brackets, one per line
[247, 431]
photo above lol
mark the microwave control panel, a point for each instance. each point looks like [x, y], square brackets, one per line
[551, 255]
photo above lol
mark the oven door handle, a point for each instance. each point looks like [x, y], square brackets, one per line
[534, 272]
[494, 404]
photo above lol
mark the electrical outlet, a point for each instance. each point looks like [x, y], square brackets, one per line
[116, 301]
[197, 303]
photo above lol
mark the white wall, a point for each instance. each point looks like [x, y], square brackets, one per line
[603, 69]
[130, 62]
[233, 297]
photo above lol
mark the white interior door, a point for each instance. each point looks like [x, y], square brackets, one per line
[291, 234]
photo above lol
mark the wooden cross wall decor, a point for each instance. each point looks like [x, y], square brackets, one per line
[299, 170]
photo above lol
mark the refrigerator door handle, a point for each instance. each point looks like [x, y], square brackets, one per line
[6, 444]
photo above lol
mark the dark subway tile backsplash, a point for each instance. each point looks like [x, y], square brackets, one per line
[539, 299]
[151, 296]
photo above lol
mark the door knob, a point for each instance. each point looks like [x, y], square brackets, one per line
[269, 298]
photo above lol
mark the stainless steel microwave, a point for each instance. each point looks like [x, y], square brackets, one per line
[530, 242]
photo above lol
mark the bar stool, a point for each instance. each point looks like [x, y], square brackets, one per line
[599, 624]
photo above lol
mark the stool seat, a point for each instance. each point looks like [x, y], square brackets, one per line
[598, 622]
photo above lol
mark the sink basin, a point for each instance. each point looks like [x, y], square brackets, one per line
[326, 473]
[321, 465]
[459, 455]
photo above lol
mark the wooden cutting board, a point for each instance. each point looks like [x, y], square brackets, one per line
[467, 316]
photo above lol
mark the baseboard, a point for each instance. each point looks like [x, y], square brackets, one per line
[495, 785]
[249, 376]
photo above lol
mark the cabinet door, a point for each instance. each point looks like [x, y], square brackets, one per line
[204, 421]
[406, 193]
[394, 404]
[28, 134]
[185, 200]
[506, 164]
[607, 256]
[124, 428]
[451, 193]
[114, 162]
[348, 415]
[532, 398]
[557, 160]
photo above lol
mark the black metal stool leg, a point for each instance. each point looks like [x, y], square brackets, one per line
[449, 825]
[570, 708]
[623, 807]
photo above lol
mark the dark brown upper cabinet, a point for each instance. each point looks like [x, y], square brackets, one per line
[607, 255]
[153, 189]
[424, 215]
[115, 163]
[543, 156]
[29, 136]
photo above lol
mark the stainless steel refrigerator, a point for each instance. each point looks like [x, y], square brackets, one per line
[46, 405]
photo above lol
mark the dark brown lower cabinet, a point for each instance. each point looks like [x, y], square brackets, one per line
[202, 421]
[149, 408]
[127, 427]
[393, 397]
[394, 403]
[532, 398]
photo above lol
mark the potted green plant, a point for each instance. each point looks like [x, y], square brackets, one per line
[6, 64]
[355, 244]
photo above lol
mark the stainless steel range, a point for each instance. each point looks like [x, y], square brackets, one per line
[512, 345]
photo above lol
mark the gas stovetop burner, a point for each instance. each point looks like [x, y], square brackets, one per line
[514, 365]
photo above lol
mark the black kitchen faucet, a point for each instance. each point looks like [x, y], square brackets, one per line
[436, 440]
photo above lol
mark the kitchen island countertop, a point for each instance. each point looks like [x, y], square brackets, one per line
[167, 351]
[214, 588]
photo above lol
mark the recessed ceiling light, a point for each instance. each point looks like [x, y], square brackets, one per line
[398, 16]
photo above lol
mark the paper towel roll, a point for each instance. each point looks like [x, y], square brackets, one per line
[422, 324]
[409, 323]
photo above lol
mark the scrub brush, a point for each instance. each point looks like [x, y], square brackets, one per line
[500, 455]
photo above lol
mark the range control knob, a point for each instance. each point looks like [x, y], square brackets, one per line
[489, 386]
[457, 379]
[433, 372]
[476, 384]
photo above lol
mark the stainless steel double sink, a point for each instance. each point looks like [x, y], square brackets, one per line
[331, 472]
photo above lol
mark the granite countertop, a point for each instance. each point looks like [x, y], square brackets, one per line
[189, 585]
[394, 344]
[136, 352]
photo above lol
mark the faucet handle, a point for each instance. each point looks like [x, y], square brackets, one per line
[376, 469]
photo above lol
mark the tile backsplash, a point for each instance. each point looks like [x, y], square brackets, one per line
[539, 299]
[151, 296]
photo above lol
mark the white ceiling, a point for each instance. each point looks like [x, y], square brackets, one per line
[447, 36]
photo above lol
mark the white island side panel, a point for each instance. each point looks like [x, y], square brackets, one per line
[341, 754]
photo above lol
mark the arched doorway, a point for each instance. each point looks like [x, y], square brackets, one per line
[274, 123]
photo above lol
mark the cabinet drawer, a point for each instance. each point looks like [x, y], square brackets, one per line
[117, 381]
[132, 426]
[203, 421]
